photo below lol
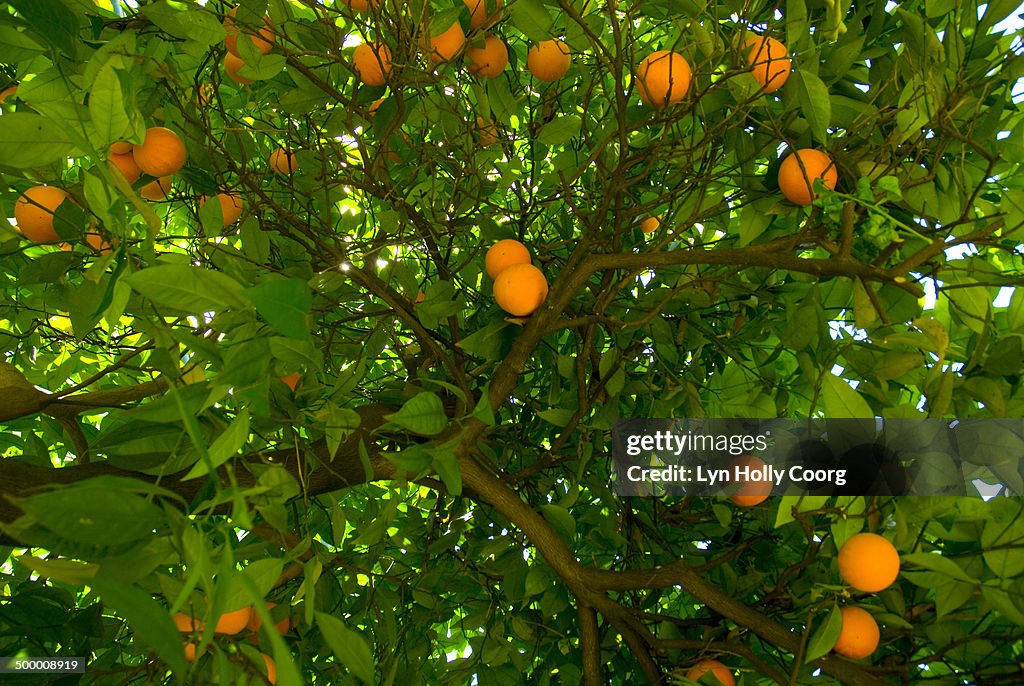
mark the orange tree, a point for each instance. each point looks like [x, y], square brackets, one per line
[301, 402]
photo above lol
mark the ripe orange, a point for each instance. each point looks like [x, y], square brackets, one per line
[663, 78]
[868, 562]
[548, 60]
[650, 225]
[263, 38]
[255, 622]
[161, 154]
[283, 161]
[360, 5]
[232, 64]
[490, 60]
[96, 241]
[120, 148]
[271, 669]
[372, 62]
[520, 289]
[750, 492]
[126, 165]
[859, 636]
[157, 190]
[229, 622]
[230, 206]
[445, 46]
[34, 212]
[799, 170]
[504, 254]
[190, 652]
[717, 669]
[478, 13]
[486, 132]
[769, 62]
[291, 381]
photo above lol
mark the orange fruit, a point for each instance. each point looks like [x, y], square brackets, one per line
[868, 562]
[8, 92]
[126, 165]
[271, 669]
[255, 622]
[717, 669]
[233, 622]
[750, 492]
[859, 636]
[663, 78]
[120, 148]
[186, 624]
[504, 254]
[520, 289]
[490, 60]
[372, 62]
[291, 381]
[769, 62]
[230, 206]
[263, 38]
[232, 64]
[157, 190]
[34, 212]
[283, 161]
[359, 5]
[548, 60]
[190, 652]
[445, 46]
[96, 241]
[487, 133]
[650, 225]
[478, 13]
[161, 154]
[799, 170]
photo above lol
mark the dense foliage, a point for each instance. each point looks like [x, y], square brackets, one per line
[431, 503]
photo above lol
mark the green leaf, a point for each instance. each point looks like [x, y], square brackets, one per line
[188, 288]
[17, 45]
[338, 422]
[560, 130]
[56, 569]
[447, 467]
[814, 103]
[532, 18]
[423, 414]
[842, 401]
[150, 622]
[940, 564]
[825, 636]
[98, 511]
[349, 647]
[54, 22]
[224, 447]
[559, 518]
[29, 140]
[1002, 543]
[107, 107]
[284, 304]
[190, 22]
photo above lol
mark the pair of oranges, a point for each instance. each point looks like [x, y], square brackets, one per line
[262, 39]
[869, 563]
[519, 287]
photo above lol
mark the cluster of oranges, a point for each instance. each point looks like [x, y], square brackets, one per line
[231, 624]
[486, 55]
[519, 287]
[868, 563]
[262, 40]
[160, 155]
[663, 78]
